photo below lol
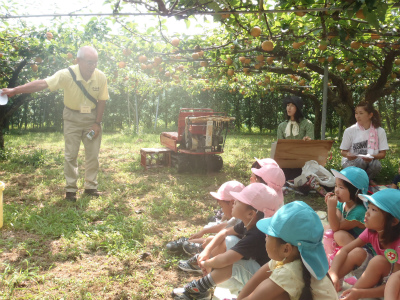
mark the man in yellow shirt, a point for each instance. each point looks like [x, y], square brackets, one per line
[81, 115]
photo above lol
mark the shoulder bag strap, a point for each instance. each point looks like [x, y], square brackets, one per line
[85, 92]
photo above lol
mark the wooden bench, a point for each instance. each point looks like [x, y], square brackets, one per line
[155, 157]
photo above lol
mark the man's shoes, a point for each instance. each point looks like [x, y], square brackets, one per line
[176, 246]
[70, 196]
[92, 192]
[190, 265]
[192, 248]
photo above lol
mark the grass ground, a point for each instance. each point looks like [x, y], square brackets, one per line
[111, 247]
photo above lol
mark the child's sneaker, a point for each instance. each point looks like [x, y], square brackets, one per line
[192, 291]
[185, 296]
[192, 248]
[190, 265]
[176, 246]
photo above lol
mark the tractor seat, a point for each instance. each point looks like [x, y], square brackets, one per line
[171, 135]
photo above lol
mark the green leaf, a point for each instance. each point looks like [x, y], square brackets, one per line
[357, 7]
[381, 11]
[316, 32]
[372, 19]
[218, 54]
[370, 4]
[187, 22]
[285, 26]
[150, 30]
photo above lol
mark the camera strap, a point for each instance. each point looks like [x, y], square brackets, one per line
[85, 92]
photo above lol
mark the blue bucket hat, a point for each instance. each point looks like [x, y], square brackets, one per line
[387, 200]
[299, 225]
[355, 176]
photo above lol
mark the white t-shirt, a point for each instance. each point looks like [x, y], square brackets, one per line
[290, 277]
[356, 140]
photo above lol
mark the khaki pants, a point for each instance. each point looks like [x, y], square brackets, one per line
[76, 126]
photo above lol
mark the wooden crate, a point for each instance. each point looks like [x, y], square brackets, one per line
[155, 157]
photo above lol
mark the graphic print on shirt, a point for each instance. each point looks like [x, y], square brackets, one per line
[361, 147]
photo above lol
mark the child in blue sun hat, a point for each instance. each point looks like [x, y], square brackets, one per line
[382, 222]
[345, 210]
[298, 266]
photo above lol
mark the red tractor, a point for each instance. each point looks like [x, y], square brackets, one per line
[201, 136]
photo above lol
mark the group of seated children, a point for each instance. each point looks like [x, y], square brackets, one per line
[292, 263]
[265, 171]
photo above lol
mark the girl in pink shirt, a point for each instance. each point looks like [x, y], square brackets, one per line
[383, 233]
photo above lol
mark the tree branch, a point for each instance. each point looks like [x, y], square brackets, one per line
[161, 7]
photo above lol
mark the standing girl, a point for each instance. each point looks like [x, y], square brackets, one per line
[298, 266]
[345, 210]
[383, 233]
[365, 143]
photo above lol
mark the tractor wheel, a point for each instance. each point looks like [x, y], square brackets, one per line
[180, 161]
[198, 163]
[214, 163]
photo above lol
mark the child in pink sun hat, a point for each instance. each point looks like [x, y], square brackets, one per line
[266, 161]
[272, 175]
[195, 243]
[236, 253]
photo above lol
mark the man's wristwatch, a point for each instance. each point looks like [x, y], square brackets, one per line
[98, 123]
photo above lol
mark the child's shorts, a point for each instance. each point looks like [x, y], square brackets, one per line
[386, 278]
[358, 271]
[243, 269]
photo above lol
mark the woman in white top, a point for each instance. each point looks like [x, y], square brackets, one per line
[365, 143]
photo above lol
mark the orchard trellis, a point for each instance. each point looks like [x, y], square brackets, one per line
[344, 34]
[355, 43]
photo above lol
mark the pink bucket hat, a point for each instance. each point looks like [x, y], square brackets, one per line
[261, 197]
[224, 190]
[273, 176]
[266, 161]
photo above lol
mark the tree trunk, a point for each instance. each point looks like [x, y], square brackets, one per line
[1, 136]
[318, 118]
[394, 113]
[384, 113]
